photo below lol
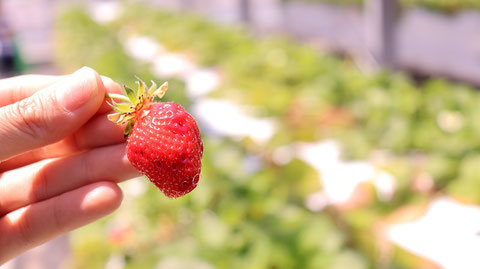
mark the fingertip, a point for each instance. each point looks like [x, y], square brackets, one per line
[92, 78]
[95, 82]
[83, 90]
[110, 85]
[101, 198]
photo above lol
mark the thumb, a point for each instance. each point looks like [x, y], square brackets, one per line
[51, 114]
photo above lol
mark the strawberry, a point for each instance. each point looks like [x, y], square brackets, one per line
[164, 142]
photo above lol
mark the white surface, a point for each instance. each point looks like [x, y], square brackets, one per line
[143, 48]
[339, 178]
[105, 11]
[448, 234]
[385, 184]
[172, 64]
[228, 119]
[202, 81]
[450, 121]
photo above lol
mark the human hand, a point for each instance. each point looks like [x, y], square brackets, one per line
[60, 157]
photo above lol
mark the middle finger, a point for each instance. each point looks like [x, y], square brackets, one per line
[48, 178]
[97, 132]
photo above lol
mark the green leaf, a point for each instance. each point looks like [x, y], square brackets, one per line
[132, 96]
[152, 88]
[160, 92]
[128, 129]
[120, 119]
[121, 107]
[141, 89]
[115, 117]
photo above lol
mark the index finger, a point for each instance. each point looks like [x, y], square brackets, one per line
[17, 88]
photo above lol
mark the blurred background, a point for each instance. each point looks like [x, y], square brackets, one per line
[337, 134]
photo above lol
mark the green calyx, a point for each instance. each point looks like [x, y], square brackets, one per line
[132, 102]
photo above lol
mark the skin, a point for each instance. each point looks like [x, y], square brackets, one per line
[60, 157]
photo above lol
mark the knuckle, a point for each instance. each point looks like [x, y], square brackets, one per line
[42, 185]
[57, 213]
[25, 228]
[77, 142]
[29, 116]
[86, 165]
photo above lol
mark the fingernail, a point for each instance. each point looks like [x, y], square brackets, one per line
[110, 85]
[106, 80]
[79, 88]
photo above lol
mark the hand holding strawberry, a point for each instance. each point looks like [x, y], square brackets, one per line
[60, 157]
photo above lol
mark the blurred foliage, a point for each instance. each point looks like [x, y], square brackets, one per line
[446, 6]
[240, 217]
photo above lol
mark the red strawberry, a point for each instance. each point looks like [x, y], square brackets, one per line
[164, 142]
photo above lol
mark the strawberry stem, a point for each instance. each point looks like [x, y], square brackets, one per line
[117, 96]
[132, 102]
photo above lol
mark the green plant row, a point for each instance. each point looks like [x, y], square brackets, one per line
[244, 218]
[234, 219]
[432, 128]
